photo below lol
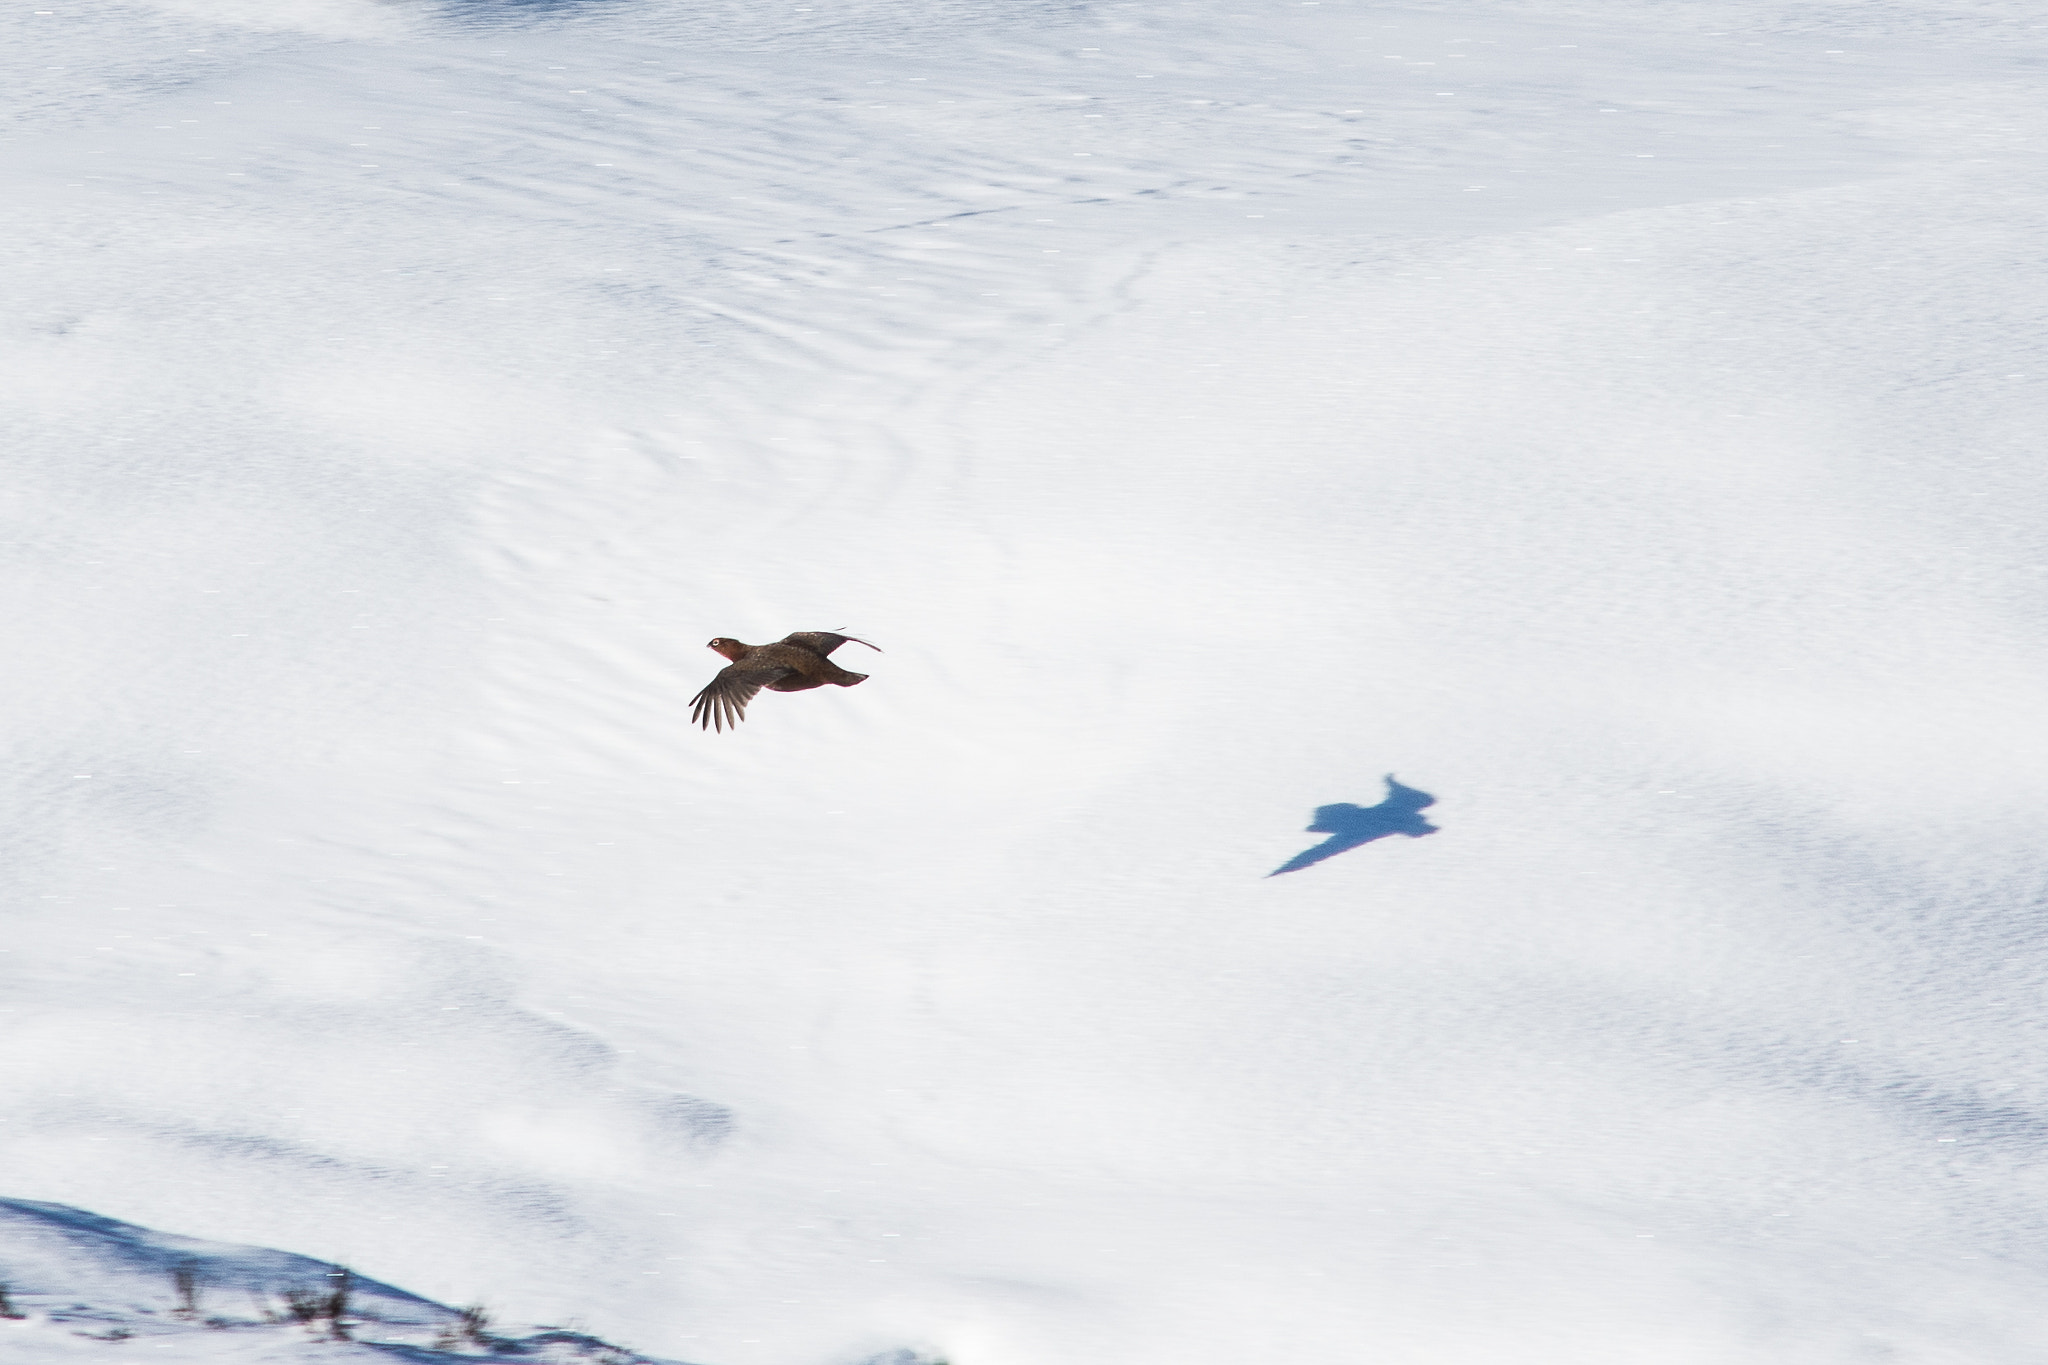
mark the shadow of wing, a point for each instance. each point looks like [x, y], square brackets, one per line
[1328, 848]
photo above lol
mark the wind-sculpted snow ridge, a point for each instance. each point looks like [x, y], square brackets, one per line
[72, 1282]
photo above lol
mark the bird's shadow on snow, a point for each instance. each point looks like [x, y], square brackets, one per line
[1349, 826]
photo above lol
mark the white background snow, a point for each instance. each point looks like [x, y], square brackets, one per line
[1618, 419]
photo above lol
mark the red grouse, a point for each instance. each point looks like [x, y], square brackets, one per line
[795, 663]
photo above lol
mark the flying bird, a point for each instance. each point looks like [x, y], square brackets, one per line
[795, 663]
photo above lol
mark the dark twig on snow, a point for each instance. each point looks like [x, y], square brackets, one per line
[472, 1327]
[311, 1306]
[341, 1283]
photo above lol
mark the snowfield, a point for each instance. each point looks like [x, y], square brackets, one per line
[1617, 422]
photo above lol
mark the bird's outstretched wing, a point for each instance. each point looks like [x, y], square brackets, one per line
[724, 701]
[823, 641]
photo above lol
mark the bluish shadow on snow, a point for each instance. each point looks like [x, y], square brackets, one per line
[66, 1269]
[488, 12]
[54, 1248]
[1349, 826]
[516, 9]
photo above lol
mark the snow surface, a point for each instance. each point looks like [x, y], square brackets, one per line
[1617, 421]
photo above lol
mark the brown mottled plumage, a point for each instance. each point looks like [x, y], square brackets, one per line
[795, 663]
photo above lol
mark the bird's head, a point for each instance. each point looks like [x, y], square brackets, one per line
[731, 649]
